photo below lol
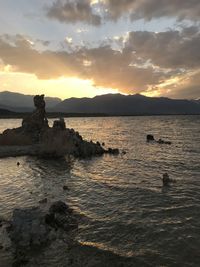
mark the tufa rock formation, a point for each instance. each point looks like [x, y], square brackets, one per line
[33, 229]
[35, 137]
[150, 138]
[37, 122]
[32, 127]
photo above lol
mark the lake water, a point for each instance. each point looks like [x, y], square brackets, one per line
[127, 209]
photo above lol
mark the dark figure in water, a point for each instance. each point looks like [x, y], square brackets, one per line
[166, 180]
[18, 163]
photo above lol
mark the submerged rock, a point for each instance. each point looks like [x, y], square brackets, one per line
[150, 137]
[114, 151]
[43, 201]
[166, 180]
[59, 207]
[161, 141]
[65, 187]
[33, 229]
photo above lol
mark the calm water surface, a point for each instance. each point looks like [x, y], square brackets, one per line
[127, 209]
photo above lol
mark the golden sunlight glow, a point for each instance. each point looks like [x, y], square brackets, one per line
[153, 93]
[62, 87]
[173, 81]
[156, 91]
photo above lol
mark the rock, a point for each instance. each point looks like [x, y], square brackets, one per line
[59, 207]
[150, 137]
[113, 151]
[32, 229]
[59, 124]
[166, 179]
[50, 219]
[123, 152]
[32, 126]
[43, 201]
[60, 216]
[65, 187]
[28, 228]
[37, 122]
[160, 141]
[103, 144]
[29, 233]
[49, 142]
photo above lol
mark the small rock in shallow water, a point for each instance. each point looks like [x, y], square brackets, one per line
[150, 137]
[114, 151]
[166, 180]
[59, 207]
[160, 141]
[65, 187]
[42, 201]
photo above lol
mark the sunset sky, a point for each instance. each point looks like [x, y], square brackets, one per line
[77, 48]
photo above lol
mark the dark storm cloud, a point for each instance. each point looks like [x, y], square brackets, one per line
[149, 9]
[72, 11]
[171, 49]
[69, 11]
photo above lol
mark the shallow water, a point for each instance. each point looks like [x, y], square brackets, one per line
[128, 210]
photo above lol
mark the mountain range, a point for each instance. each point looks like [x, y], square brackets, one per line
[109, 104]
[23, 103]
[117, 104]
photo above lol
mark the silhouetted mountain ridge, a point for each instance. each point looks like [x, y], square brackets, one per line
[110, 104]
[117, 104]
[22, 103]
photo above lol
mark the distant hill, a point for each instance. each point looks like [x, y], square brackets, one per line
[23, 103]
[117, 104]
[5, 113]
[110, 104]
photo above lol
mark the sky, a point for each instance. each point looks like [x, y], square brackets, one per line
[83, 48]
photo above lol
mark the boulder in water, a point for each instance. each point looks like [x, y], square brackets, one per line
[33, 229]
[150, 138]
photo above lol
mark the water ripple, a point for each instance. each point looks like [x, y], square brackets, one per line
[127, 209]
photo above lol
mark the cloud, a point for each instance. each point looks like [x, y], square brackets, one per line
[171, 49]
[107, 67]
[149, 9]
[45, 65]
[69, 11]
[72, 11]
[165, 62]
[187, 87]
